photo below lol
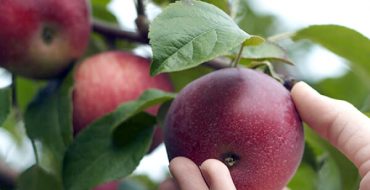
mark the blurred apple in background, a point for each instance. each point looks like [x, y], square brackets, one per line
[108, 79]
[40, 38]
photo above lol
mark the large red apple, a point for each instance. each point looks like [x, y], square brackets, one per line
[106, 80]
[245, 119]
[40, 38]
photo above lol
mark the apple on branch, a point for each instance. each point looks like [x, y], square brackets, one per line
[242, 117]
[106, 80]
[40, 38]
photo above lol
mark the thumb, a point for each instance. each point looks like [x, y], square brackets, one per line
[337, 121]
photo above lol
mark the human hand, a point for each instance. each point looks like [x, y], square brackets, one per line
[212, 174]
[338, 122]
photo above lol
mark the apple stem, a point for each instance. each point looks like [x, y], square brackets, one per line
[236, 61]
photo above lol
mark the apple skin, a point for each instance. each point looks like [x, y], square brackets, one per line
[113, 185]
[242, 117]
[108, 79]
[40, 38]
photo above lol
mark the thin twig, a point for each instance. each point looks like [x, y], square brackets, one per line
[113, 31]
[140, 8]
[142, 21]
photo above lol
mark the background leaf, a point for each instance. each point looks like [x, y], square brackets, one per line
[349, 87]
[266, 51]
[252, 21]
[112, 146]
[35, 178]
[187, 34]
[26, 90]
[341, 40]
[222, 4]
[49, 117]
[5, 103]
[100, 10]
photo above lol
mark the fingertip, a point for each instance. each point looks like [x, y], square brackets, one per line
[213, 165]
[168, 184]
[301, 88]
[186, 174]
[217, 175]
[180, 163]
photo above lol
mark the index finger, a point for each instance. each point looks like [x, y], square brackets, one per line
[337, 121]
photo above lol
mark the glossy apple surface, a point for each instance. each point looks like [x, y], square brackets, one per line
[245, 119]
[106, 80]
[40, 38]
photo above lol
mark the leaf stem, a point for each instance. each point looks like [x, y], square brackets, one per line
[35, 151]
[236, 61]
[281, 36]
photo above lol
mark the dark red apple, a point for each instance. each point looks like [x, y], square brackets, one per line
[106, 80]
[113, 185]
[40, 38]
[245, 119]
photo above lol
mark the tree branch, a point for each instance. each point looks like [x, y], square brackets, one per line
[115, 32]
[140, 8]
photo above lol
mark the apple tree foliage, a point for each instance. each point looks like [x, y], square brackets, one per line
[188, 39]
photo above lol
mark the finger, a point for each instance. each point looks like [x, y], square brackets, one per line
[187, 174]
[168, 184]
[217, 175]
[365, 182]
[337, 121]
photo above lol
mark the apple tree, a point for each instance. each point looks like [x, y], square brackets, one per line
[92, 108]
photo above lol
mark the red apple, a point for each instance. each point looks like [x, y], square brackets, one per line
[245, 119]
[40, 38]
[113, 185]
[106, 80]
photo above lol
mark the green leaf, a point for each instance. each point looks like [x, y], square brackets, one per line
[35, 178]
[304, 179]
[266, 51]
[329, 176]
[5, 103]
[181, 78]
[254, 41]
[100, 11]
[349, 176]
[113, 146]
[343, 88]
[49, 117]
[222, 4]
[188, 33]
[342, 41]
[26, 90]
[253, 21]
[161, 2]
[345, 171]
